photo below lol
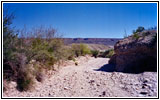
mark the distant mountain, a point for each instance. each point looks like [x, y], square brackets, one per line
[104, 41]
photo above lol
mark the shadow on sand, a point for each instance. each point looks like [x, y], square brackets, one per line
[106, 68]
[111, 68]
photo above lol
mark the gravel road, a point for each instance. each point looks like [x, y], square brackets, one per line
[91, 79]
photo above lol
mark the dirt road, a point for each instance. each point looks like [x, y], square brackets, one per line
[91, 79]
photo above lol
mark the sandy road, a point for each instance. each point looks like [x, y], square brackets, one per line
[89, 79]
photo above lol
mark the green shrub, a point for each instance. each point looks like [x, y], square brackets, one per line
[80, 49]
[84, 49]
[95, 53]
[19, 50]
[135, 33]
[24, 80]
[110, 53]
[140, 29]
[76, 50]
[136, 36]
[9, 47]
[107, 53]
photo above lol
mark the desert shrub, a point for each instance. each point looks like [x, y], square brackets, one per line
[95, 53]
[67, 53]
[136, 36]
[84, 49]
[41, 45]
[56, 47]
[136, 33]
[107, 53]
[9, 46]
[36, 69]
[80, 49]
[45, 48]
[140, 29]
[25, 78]
[76, 50]
[39, 75]
[110, 53]
[24, 81]
[104, 53]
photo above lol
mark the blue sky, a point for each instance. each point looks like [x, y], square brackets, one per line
[85, 20]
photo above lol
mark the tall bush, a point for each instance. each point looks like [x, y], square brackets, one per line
[80, 49]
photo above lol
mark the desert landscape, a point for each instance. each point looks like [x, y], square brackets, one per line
[95, 77]
[40, 63]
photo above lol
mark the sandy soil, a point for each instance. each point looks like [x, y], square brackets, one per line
[91, 79]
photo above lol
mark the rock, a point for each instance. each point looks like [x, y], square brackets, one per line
[100, 95]
[66, 88]
[136, 55]
[103, 93]
[144, 84]
[98, 85]
[86, 71]
[145, 81]
[144, 93]
[49, 94]
[91, 81]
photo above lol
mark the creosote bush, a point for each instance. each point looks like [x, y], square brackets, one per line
[106, 54]
[41, 46]
[25, 80]
[95, 53]
[109, 53]
[136, 36]
[80, 50]
[21, 47]
[135, 33]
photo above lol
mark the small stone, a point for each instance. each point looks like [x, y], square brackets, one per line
[86, 71]
[143, 87]
[103, 93]
[149, 85]
[144, 93]
[145, 81]
[144, 84]
[66, 88]
[98, 85]
[91, 81]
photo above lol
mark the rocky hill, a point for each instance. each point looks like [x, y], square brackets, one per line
[136, 53]
[104, 41]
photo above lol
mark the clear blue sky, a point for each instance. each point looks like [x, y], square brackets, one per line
[86, 20]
